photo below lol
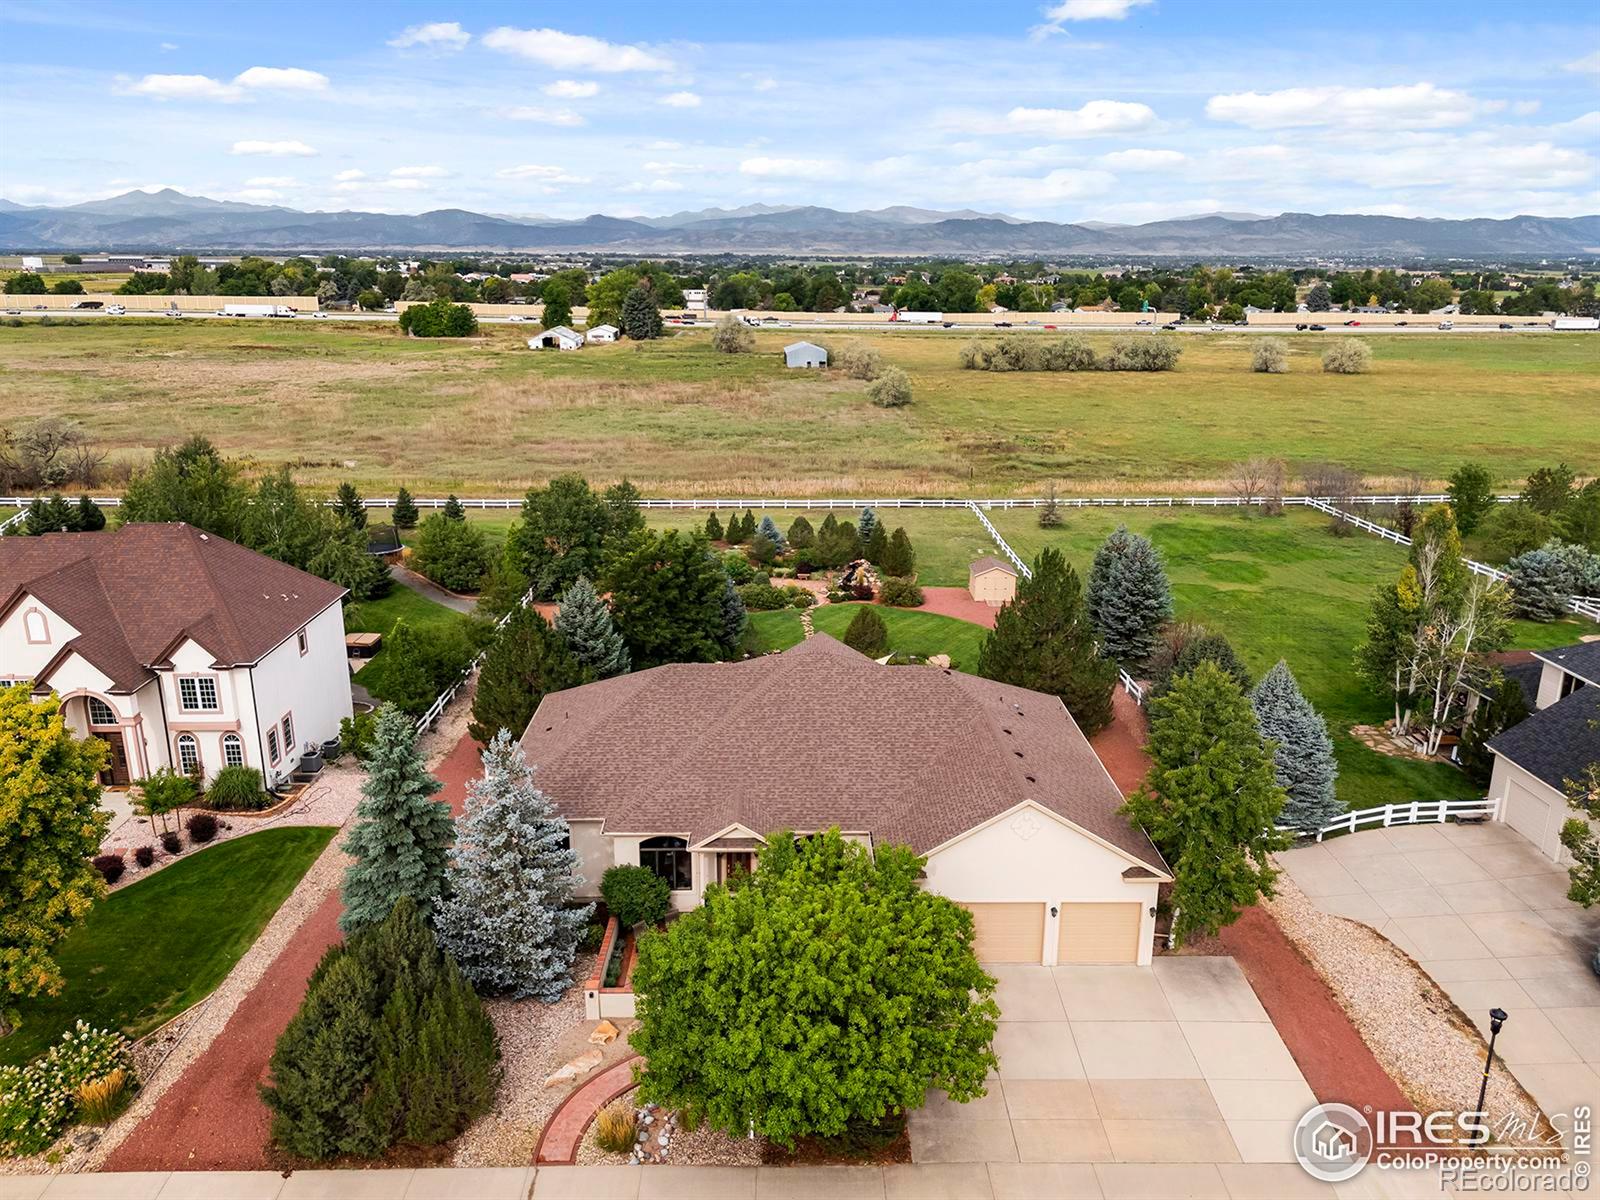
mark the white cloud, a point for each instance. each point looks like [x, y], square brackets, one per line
[169, 46]
[663, 144]
[251, 195]
[285, 149]
[1406, 106]
[654, 185]
[1092, 10]
[271, 181]
[680, 100]
[1589, 64]
[540, 172]
[1525, 108]
[1586, 126]
[572, 89]
[435, 35]
[1094, 119]
[533, 112]
[571, 51]
[350, 175]
[1143, 160]
[787, 167]
[402, 184]
[183, 87]
[764, 85]
[287, 79]
[428, 172]
[671, 168]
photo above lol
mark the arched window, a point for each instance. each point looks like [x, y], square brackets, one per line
[188, 753]
[35, 628]
[232, 750]
[100, 712]
[668, 857]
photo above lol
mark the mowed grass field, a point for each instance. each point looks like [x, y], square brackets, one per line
[1281, 587]
[488, 416]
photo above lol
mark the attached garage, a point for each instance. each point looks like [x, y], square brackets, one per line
[1099, 933]
[1529, 814]
[1535, 757]
[1008, 933]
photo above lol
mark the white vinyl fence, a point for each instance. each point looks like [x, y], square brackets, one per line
[442, 701]
[1418, 812]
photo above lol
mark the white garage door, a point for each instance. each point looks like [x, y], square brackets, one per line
[1008, 933]
[1529, 814]
[1099, 933]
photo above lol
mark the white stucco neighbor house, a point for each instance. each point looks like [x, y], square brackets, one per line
[560, 338]
[175, 647]
[995, 785]
[1535, 757]
[602, 333]
[804, 354]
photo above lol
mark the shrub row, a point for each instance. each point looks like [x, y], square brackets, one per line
[1019, 352]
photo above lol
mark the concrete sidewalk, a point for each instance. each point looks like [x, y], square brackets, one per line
[944, 1181]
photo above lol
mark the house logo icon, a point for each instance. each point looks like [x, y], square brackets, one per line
[1333, 1142]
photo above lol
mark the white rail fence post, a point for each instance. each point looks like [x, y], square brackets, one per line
[1417, 812]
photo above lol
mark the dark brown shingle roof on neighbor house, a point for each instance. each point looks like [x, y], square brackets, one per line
[134, 593]
[815, 737]
[989, 563]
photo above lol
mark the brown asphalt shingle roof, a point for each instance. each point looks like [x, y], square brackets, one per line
[990, 563]
[815, 737]
[133, 593]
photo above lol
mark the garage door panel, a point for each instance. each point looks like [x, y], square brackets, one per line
[1529, 815]
[1099, 933]
[1008, 933]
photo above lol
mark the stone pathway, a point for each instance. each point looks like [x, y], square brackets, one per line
[563, 1132]
[805, 622]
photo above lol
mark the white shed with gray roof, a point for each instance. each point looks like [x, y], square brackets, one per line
[804, 354]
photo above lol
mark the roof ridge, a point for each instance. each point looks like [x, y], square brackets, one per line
[225, 619]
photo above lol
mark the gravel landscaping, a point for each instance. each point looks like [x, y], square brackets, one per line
[1417, 1033]
[705, 1147]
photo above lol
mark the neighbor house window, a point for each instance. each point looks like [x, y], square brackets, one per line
[35, 628]
[198, 693]
[272, 743]
[288, 733]
[188, 753]
[301, 638]
[100, 712]
[668, 857]
[232, 750]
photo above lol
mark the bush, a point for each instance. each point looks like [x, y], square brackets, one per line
[867, 633]
[101, 1101]
[39, 1100]
[892, 389]
[1146, 353]
[594, 933]
[356, 731]
[1347, 357]
[438, 318]
[454, 554]
[732, 336]
[900, 593]
[1268, 357]
[858, 362]
[635, 895]
[761, 596]
[202, 828]
[171, 843]
[1070, 353]
[737, 564]
[237, 789]
[110, 866]
[616, 1128]
[800, 597]
[144, 855]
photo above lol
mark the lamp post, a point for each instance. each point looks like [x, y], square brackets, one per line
[1497, 1019]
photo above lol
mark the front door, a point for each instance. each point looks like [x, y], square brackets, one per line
[731, 865]
[116, 771]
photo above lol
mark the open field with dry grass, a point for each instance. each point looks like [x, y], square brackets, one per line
[488, 416]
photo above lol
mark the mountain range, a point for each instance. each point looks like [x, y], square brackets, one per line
[170, 220]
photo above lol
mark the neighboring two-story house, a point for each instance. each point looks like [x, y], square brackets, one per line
[175, 647]
[1534, 759]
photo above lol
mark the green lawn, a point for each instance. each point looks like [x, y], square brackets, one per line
[910, 631]
[149, 951]
[1281, 588]
[486, 415]
[379, 616]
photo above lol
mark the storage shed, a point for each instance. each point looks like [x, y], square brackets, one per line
[991, 581]
[804, 354]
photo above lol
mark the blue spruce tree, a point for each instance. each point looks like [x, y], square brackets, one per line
[1129, 596]
[585, 621]
[1303, 758]
[769, 529]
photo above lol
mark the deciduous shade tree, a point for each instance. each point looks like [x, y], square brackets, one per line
[826, 994]
[1580, 521]
[50, 795]
[560, 535]
[623, 516]
[1130, 598]
[1471, 495]
[526, 661]
[405, 510]
[454, 554]
[390, 1046]
[1043, 640]
[667, 598]
[508, 915]
[557, 305]
[191, 483]
[439, 318]
[584, 622]
[867, 633]
[1211, 801]
[1302, 754]
[348, 504]
[402, 835]
[1549, 489]
[1512, 529]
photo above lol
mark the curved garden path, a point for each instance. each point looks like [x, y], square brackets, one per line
[563, 1132]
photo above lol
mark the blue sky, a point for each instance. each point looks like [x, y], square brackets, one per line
[1120, 110]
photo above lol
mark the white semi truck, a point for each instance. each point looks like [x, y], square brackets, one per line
[255, 310]
[901, 317]
[1575, 323]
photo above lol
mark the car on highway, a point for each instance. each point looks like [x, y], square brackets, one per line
[1398, 324]
[1152, 322]
[1171, 325]
[1447, 325]
[518, 318]
[1505, 325]
[1318, 328]
[1352, 322]
[171, 312]
[39, 307]
[769, 320]
[13, 312]
[319, 316]
[1002, 324]
[949, 324]
[1301, 325]
[115, 310]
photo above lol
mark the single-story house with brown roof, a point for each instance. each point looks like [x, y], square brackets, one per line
[991, 581]
[175, 647]
[688, 768]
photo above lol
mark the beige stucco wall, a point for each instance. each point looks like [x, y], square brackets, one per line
[1515, 788]
[148, 304]
[993, 587]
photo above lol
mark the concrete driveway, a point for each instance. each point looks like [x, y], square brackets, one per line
[1174, 1063]
[1486, 915]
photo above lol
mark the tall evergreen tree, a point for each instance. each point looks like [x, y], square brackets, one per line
[89, 518]
[1129, 596]
[866, 524]
[641, 318]
[747, 525]
[347, 503]
[526, 661]
[769, 530]
[666, 598]
[1042, 639]
[508, 916]
[734, 534]
[801, 535]
[876, 547]
[1302, 755]
[830, 524]
[405, 511]
[1179, 658]
[735, 619]
[867, 632]
[1211, 801]
[899, 559]
[713, 528]
[402, 835]
[585, 622]
[1050, 514]
[49, 514]
[623, 517]
[453, 509]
